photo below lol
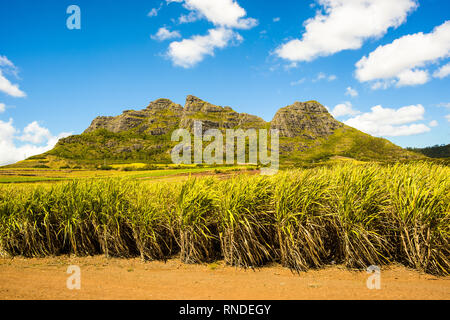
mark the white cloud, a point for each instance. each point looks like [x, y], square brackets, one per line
[402, 62]
[153, 12]
[412, 78]
[298, 82]
[189, 52]
[386, 122]
[277, 19]
[188, 18]
[8, 67]
[351, 92]
[344, 109]
[2, 107]
[321, 76]
[226, 15]
[11, 89]
[447, 117]
[433, 123]
[222, 13]
[5, 62]
[383, 84]
[443, 72]
[290, 66]
[35, 134]
[10, 152]
[165, 34]
[344, 25]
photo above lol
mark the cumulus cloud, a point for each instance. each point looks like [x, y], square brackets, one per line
[35, 134]
[38, 140]
[412, 78]
[386, 122]
[447, 117]
[351, 92]
[2, 107]
[225, 15]
[403, 61]
[165, 34]
[344, 109]
[222, 13]
[189, 52]
[443, 72]
[342, 25]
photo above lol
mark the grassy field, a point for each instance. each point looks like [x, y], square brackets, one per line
[132, 171]
[354, 214]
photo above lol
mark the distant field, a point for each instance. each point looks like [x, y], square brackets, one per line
[22, 175]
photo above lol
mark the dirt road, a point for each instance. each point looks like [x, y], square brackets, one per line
[103, 278]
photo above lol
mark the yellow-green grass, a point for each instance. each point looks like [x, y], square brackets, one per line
[22, 175]
[353, 214]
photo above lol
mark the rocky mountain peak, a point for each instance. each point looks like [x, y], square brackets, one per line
[194, 104]
[192, 100]
[216, 117]
[309, 107]
[159, 104]
[157, 119]
[308, 119]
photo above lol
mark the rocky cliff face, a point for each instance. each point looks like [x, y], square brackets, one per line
[215, 117]
[158, 118]
[307, 119]
[163, 116]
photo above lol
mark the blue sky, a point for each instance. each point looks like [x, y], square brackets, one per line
[379, 65]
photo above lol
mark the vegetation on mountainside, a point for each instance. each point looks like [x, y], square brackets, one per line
[345, 142]
[437, 151]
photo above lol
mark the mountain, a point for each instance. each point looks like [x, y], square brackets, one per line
[308, 133]
[309, 119]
